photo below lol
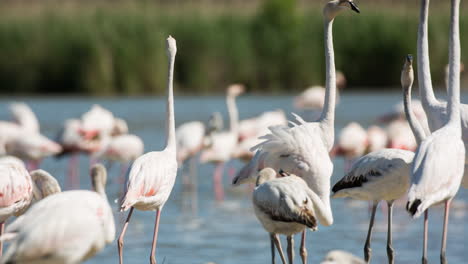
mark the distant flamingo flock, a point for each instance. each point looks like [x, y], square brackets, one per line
[415, 152]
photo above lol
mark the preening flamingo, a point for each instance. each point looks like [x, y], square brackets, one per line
[50, 232]
[152, 175]
[222, 144]
[284, 206]
[304, 149]
[439, 161]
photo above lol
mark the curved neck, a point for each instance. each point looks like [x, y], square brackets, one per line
[328, 112]
[416, 127]
[453, 106]
[170, 122]
[233, 113]
[424, 69]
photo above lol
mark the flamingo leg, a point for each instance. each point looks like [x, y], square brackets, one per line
[194, 184]
[272, 246]
[155, 237]
[303, 250]
[72, 170]
[290, 249]
[120, 242]
[426, 224]
[278, 246]
[390, 250]
[443, 260]
[2, 228]
[218, 182]
[367, 249]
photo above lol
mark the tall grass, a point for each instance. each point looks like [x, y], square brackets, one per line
[278, 48]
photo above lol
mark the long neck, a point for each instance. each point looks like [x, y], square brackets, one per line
[453, 105]
[233, 113]
[328, 112]
[416, 127]
[170, 123]
[424, 69]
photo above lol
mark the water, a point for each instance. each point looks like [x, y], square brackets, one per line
[228, 232]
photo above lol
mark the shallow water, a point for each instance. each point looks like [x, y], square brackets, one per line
[228, 232]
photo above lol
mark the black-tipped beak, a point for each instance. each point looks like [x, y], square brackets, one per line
[354, 7]
[282, 173]
[409, 58]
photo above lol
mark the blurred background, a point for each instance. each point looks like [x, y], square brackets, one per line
[273, 46]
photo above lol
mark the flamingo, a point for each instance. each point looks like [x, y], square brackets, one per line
[252, 128]
[32, 147]
[400, 135]
[11, 160]
[122, 148]
[25, 117]
[352, 143]
[376, 138]
[341, 257]
[73, 143]
[313, 97]
[51, 232]
[304, 149]
[439, 161]
[21, 189]
[222, 144]
[383, 174]
[284, 206]
[153, 174]
[437, 111]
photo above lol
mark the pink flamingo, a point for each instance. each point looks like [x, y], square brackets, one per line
[222, 144]
[352, 143]
[152, 175]
[122, 148]
[51, 232]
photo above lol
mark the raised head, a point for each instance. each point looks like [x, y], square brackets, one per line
[407, 73]
[99, 178]
[44, 184]
[265, 175]
[171, 46]
[235, 89]
[334, 7]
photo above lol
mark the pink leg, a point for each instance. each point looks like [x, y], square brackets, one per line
[2, 228]
[218, 182]
[155, 237]
[303, 249]
[426, 221]
[32, 165]
[73, 173]
[120, 242]
[443, 260]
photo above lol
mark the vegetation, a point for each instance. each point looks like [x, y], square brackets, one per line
[277, 47]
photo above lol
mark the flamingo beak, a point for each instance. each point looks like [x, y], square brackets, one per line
[354, 7]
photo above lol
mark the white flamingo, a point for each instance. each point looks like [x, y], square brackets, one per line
[376, 138]
[222, 144]
[352, 143]
[437, 111]
[31, 147]
[303, 150]
[313, 97]
[152, 175]
[284, 206]
[400, 135]
[25, 117]
[52, 233]
[439, 161]
[122, 148]
[341, 257]
[383, 174]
